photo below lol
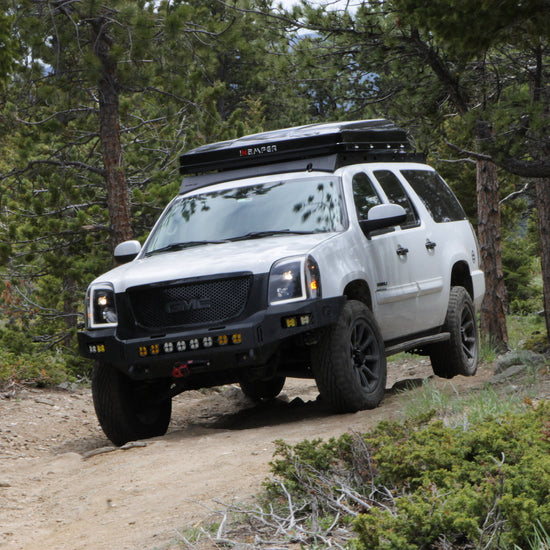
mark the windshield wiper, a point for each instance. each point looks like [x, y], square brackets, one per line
[261, 234]
[180, 246]
[252, 235]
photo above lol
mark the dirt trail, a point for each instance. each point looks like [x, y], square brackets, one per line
[63, 487]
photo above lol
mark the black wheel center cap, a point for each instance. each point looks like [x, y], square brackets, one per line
[358, 356]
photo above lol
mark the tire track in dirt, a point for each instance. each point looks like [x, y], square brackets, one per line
[63, 487]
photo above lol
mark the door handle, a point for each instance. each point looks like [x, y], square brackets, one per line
[430, 245]
[402, 251]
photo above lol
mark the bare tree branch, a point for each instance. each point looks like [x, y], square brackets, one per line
[33, 163]
[526, 169]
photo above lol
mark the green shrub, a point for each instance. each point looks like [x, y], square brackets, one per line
[39, 369]
[467, 486]
[423, 484]
[15, 340]
[520, 267]
[528, 332]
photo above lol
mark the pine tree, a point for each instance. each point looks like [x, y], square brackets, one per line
[508, 47]
[104, 100]
[470, 73]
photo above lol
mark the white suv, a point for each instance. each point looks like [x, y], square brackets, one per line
[309, 252]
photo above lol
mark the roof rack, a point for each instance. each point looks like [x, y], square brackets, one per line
[296, 143]
[313, 147]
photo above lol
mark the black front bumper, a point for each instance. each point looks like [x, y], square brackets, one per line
[207, 349]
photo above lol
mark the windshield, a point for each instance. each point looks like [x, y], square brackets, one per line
[309, 205]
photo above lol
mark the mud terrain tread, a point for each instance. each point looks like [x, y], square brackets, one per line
[448, 358]
[333, 367]
[119, 411]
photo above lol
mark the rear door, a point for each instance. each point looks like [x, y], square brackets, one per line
[408, 281]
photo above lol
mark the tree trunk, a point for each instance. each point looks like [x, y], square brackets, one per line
[109, 132]
[543, 207]
[543, 191]
[70, 310]
[493, 308]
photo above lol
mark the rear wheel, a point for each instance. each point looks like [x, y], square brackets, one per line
[349, 362]
[458, 355]
[263, 389]
[128, 409]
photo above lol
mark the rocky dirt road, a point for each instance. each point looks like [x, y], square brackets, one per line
[62, 486]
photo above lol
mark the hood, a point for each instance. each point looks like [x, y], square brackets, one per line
[255, 255]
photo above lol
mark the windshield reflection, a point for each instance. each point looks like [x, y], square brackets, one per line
[309, 205]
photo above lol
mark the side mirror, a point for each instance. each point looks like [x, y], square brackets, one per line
[125, 252]
[383, 216]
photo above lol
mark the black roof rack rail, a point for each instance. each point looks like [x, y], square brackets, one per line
[327, 163]
[317, 147]
[375, 137]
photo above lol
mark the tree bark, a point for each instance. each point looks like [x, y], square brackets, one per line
[69, 308]
[109, 132]
[493, 308]
[543, 208]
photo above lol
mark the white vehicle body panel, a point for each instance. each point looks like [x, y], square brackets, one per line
[310, 252]
[256, 256]
[409, 291]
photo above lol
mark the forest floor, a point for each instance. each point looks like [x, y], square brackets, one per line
[63, 486]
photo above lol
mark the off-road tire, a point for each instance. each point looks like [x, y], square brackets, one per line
[128, 410]
[263, 389]
[459, 354]
[349, 363]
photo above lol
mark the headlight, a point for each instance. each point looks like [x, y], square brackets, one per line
[100, 306]
[293, 279]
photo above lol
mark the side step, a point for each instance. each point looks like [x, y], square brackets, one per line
[418, 342]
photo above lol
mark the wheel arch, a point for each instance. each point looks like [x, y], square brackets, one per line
[359, 290]
[460, 276]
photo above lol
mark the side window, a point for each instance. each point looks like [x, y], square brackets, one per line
[436, 195]
[364, 195]
[397, 194]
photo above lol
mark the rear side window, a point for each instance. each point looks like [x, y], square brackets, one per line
[436, 195]
[397, 194]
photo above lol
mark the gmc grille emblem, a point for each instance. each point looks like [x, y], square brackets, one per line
[188, 305]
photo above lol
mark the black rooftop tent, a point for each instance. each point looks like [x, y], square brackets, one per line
[312, 147]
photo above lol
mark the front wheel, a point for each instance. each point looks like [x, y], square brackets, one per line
[349, 362]
[459, 354]
[127, 409]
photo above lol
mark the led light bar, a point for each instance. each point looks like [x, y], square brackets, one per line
[192, 344]
[293, 321]
[95, 349]
[165, 348]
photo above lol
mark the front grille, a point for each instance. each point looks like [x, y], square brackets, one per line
[193, 303]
